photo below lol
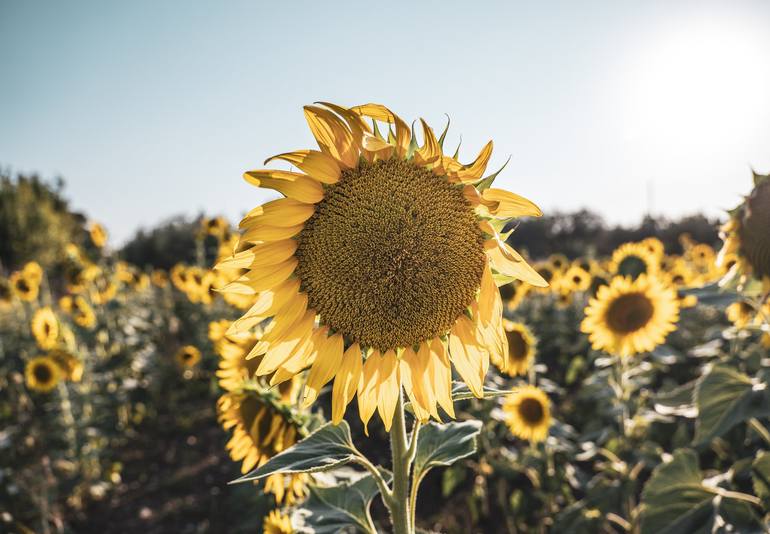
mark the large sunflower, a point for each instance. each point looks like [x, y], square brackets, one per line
[521, 346]
[42, 374]
[631, 316]
[746, 234]
[528, 413]
[380, 266]
[45, 328]
[634, 259]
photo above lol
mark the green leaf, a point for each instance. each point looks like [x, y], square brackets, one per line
[675, 500]
[725, 398]
[460, 391]
[442, 445]
[760, 476]
[712, 295]
[328, 447]
[340, 508]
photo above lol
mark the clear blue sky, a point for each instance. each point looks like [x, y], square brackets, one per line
[150, 109]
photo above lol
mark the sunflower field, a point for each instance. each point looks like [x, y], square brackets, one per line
[380, 349]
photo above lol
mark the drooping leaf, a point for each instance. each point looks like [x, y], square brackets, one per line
[343, 507]
[724, 398]
[675, 500]
[442, 445]
[328, 447]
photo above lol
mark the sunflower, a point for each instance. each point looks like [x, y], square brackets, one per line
[24, 287]
[558, 262]
[216, 226]
[98, 235]
[528, 413]
[679, 274]
[83, 313]
[633, 259]
[546, 271]
[260, 431]
[224, 276]
[179, 276]
[159, 278]
[513, 293]
[277, 523]
[702, 255]
[576, 279]
[746, 233]
[32, 271]
[70, 366]
[45, 328]
[631, 316]
[188, 356]
[654, 246]
[521, 349]
[42, 374]
[380, 266]
[740, 313]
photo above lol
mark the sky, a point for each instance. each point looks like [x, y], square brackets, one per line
[151, 109]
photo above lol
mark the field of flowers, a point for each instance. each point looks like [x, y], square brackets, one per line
[630, 393]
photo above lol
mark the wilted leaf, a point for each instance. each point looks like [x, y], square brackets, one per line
[724, 398]
[328, 447]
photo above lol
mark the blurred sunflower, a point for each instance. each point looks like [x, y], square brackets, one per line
[24, 288]
[547, 272]
[576, 279]
[740, 313]
[654, 246]
[521, 349]
[746, 234]
[558, 262]
[513, 293]
[70, 366]
[179, 276]
[159, 278]
[277, 522]
[702, 255]
[42, 374]
[45, 328]
[33, 272]
[188, 356]
[82, 313]
[395, 249]
[260, 431]
[216, 227]
[633, 259]
[98, 235]
[528, 413]
[631, 316]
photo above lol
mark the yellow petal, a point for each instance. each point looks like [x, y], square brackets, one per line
[318, 165]
[346, 381]
[420, 412]
[268, 303]
[504, 204]
[467, 355]
[266, 277]
[381, 113]
[326, 365]
[260, 232]
[440, 368]
[474, 171]
[500, 254]
[388, 388]
[431, 150]
[260, 255]
[303, 188]
[367, 389]
[277, 352]
[332, 134]
[282, 212]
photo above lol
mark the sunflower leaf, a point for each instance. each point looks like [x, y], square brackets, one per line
[343, 507]
[328, 447]
[712, 295]
[442, 445]
[675, 500]
[724, 398]
[760, 476]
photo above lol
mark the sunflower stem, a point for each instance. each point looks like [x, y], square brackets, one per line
[399, 505]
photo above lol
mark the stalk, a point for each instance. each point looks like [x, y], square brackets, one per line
[399, 505]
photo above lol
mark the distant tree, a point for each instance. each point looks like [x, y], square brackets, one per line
[172, 242]
[36, 221]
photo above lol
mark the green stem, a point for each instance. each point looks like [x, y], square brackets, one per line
[399, 505]
[760, 429]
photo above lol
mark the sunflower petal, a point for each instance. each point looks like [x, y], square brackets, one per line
[318, 165]
[346, 381]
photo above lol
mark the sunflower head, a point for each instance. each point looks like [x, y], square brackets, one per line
[513, 293]
[45, 328]
[654, 246]
[71, 366]
[98, 235]
[188, 356]
[746, 233]
[26, 288]
[631, 316]
[576, 279]
[522, 347]
[216, 227]
[528, 413]
[633, 259]
[261, 429]
[42, 374]
[558, 262]
[82, 313]
[276, 522]
[379, 265]
[741, 313]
